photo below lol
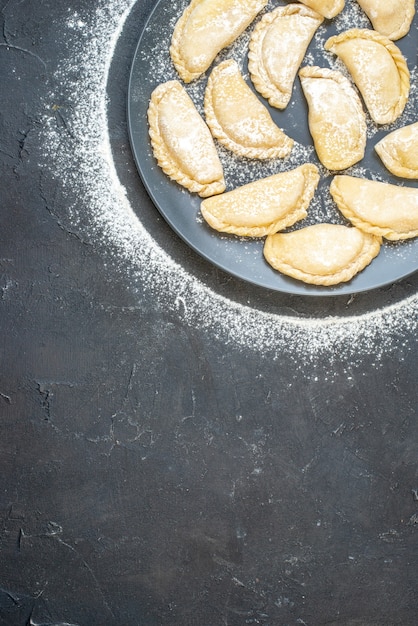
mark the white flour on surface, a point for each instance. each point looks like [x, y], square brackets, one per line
[82, 160]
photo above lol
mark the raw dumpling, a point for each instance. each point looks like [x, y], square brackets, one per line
[327, 8]
[399, 151]
[205, 27]
[392, 18]
[276, 50]
[321, 254]
[383, 209]
[264, 206]
[181, 141]
[378, 69]
[337, 121]
[238, 119]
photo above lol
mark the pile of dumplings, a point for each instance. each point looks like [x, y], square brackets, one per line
[377, 80]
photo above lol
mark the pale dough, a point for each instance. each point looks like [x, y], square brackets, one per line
[392, 18]
[264, 206]
[378, 68]
[327, 8]
[205, 28]
[238, 119]
[181, 141]
[399, 151]
[382, 209]
[337, 121]
[277, 47]
[321, 254]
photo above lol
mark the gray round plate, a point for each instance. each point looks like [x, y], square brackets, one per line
[243, 258]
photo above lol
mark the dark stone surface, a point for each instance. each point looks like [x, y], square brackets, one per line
[149, 474]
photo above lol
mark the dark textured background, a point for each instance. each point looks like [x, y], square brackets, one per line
[149, 474]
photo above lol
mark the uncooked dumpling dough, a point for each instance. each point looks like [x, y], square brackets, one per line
[383, 209]
[337, 121]
[321, 254]
[264, 206]
[378, 68]
[276, 50]
[205, 27]
[238, 119]
[181, 141]
[399, 151]
[392, 18]
[327, 8]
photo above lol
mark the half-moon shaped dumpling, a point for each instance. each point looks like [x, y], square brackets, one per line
[181, 141]
[399, 151]
[336, 118]
[327, 8]
[276, 50]
[321, 254]
[238, 119]
[383, 209]
[392, 18]
[204, 28]
[264, 206]
[378, 68]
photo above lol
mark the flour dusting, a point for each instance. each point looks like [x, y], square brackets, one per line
[80, 157]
